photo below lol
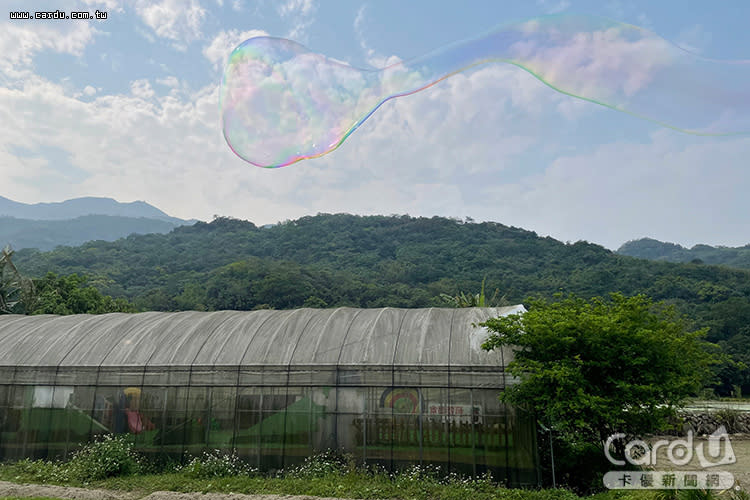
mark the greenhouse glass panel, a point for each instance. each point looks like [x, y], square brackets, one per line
[437, 415]
[394, 387]
[221, 418]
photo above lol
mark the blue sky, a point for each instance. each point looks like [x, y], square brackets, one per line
[127, 108]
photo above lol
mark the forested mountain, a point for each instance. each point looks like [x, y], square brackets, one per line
[647, 248]
[73, 222]
[77, 207]
[335, 260]
[423, 256]
[48, 234]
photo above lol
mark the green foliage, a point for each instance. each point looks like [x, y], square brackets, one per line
[326, 475]
[647, 248]
[16, 291]
[596, 367]
[728, 417]
[70, 295]
[51, 294]
[109, 456]
[593, 368]
[217, 464]
[399, 261]
[368, 261]
[323, 464]
[475, 300]
[39, 471]
[48, 234]
[697, 494]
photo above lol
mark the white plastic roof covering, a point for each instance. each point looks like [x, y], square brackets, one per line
[343, 336]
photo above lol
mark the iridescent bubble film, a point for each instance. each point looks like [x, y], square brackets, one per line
[281, 103]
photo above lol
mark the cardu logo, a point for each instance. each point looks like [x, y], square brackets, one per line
[713, 452]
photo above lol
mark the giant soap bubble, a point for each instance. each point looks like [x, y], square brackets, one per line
[281, 103]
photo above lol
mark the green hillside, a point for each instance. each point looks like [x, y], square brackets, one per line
[335, 260]
[647, 248]
[48, 234]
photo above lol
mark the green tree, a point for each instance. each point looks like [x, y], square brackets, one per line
[593, 368]
[72, 295]
[16, 292]
[475, 300]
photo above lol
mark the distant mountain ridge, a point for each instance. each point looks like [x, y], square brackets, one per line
[48, 234]
[77, 207]
[648, 248]
[76, 221]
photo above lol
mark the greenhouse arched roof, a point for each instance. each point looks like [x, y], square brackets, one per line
[304, 337]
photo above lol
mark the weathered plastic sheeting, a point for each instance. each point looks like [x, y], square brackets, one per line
[326, 348]
[441, 338]
[115, 337]
[21, 341]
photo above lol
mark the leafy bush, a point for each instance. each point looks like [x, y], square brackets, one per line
[159, 464]
[330, 474]
[217, 464]
[697, 495]
[322, 464]
[107, 457]
[39, 471]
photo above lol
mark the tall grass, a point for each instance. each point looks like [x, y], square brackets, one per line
[111, 463]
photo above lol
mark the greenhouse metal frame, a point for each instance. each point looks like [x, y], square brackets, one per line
[393, 387]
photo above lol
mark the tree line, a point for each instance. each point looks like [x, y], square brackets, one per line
[377, 261]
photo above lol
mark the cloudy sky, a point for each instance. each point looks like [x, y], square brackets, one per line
[127, 107]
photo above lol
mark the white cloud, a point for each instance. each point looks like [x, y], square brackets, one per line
[673, 188]
[20, 42]
[176, 20]
[443, 151]
[224, 42]
[170, 81]
[296, 8]
[301, 14]
[372, 58]
[168, 150]
[145, 33]
[458, 148]
[610, 64]
[142, 88]
[359, 21]
[111, 5]
[421, 154]
[132, 146]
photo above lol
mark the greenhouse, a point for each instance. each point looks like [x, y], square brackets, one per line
[390, 386]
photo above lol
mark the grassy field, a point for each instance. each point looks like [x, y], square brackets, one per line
[329, 485]
[110, 469]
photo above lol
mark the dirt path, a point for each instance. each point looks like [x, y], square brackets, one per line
[36, 490]
[740, 469]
